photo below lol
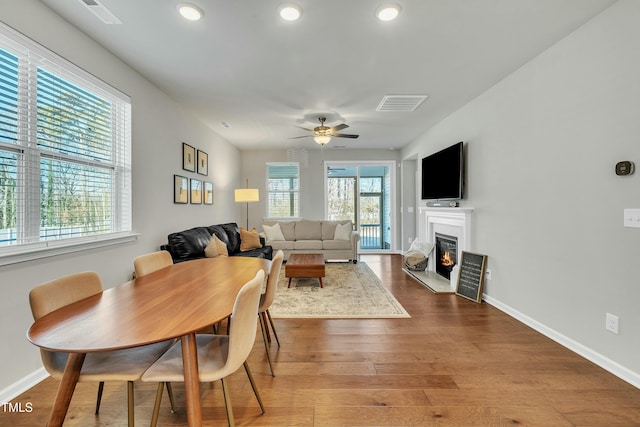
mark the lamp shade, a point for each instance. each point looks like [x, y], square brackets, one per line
[246, 195]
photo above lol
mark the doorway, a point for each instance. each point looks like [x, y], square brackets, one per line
[363, 193]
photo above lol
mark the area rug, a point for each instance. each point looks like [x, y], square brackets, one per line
[350, 291]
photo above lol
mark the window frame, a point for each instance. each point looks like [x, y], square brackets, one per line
[30, 244]
[294, 193]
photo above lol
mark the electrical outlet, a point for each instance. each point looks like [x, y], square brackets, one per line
[612, 323]
[487, 275]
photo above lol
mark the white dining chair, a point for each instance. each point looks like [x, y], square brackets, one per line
[266, 299]
[121, 365]
[218, 355]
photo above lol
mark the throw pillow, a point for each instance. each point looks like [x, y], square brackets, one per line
[211, 251]
[249, 239]
[343, 231]
[273, 232]
[221, 247]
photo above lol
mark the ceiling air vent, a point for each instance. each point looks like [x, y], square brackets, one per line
[401, 102]
[101, 12]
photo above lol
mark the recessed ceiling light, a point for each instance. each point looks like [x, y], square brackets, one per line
[388, 12]
[190, 11]
[290, 12]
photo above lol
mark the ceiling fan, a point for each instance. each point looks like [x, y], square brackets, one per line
[322, 134]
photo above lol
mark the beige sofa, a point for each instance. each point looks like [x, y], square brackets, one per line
[306, 236]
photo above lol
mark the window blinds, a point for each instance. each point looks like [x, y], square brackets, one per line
[283, 185]
[65, 148]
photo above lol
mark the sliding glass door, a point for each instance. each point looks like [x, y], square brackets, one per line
[363, 193]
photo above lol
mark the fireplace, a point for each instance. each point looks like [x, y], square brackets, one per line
[446, 254]
[454, 223]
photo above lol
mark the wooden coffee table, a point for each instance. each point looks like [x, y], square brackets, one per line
[304, 266]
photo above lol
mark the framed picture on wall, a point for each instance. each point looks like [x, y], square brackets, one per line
[203, 163]
[208, 193]
[188, 158]
[196, 191]
[180, 189]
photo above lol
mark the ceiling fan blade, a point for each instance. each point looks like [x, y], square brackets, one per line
[344, 135]
[303, 136]
[310, 130]
[339, 127]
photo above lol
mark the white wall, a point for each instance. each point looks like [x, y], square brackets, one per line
[159, 128]
[542, 145]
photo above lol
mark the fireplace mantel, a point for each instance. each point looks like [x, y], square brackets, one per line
[457, 218]
[451, 221]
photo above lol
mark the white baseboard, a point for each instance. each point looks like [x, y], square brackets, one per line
[24, 384]
[615, 368]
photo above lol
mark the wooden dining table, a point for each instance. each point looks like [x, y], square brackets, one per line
[173, 302]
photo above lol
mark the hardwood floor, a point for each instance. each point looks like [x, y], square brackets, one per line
[454, 363]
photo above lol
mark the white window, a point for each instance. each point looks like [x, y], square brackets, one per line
[283, 187]
[65, 144]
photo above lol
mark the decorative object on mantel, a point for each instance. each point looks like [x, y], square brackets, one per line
[188, 158]
[180, 189]
[471, 276]
[350, 291]
[203, 163]
[247, 195]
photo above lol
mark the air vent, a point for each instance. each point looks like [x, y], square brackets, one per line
[401, 102]
[101, 12]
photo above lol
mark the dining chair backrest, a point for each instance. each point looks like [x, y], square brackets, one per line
[57, 293]
[272, 281]
[148, 263]
[243, 328]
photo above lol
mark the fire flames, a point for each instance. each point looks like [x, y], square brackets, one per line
[446, 260]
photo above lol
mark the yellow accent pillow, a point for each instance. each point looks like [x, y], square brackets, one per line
[249, 239]
[216, 247]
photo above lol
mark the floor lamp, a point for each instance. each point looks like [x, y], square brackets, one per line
[247, 195]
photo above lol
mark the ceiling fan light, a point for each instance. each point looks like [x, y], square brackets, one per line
[290, 12]
[322, 139]
[388, 12]
[190, 11]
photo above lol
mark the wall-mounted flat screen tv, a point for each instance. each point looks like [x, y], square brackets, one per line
[443, 174]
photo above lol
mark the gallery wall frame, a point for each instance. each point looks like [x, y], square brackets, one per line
[196, 191]
[203, 163]
[188, 157]
[180, 189]
[208, 193]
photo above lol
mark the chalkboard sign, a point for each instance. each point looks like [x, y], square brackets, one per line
[471, 276]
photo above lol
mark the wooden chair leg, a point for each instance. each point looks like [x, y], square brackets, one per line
[171, 399]
[266, 345]
[254, 387]
[227, 403]
[131, 404]
[99, 398]
[273, 328]
[156, 406]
